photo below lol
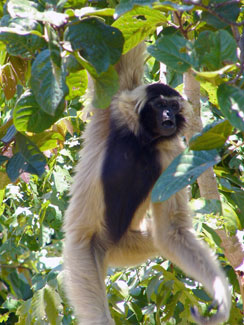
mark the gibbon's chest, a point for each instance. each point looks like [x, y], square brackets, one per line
[129, 172]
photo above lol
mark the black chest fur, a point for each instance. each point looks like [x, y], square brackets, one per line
[130, 170]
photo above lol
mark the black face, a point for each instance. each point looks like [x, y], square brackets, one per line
[161, 117]
[164, 112]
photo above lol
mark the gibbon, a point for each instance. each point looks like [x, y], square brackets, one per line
[126, 147]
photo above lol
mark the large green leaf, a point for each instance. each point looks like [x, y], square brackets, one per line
[137, 24]
[27, 159]
[231, 102]
[184, 170]
[172, 50]
[28, 115]
[28, 9]
[52, 301]
[215, 48]
[100, 44]
[212, 136]
[22, 37]
[106, 85]
[228, 12]
[48, 83]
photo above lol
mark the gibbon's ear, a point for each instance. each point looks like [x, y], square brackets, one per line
[125, 107]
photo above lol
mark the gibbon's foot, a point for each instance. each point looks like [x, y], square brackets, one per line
[215, 319]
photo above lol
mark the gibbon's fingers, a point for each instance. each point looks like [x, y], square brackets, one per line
[177, 241]
[219, 317]
[84, 279]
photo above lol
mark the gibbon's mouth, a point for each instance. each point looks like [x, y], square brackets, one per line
[168, 124]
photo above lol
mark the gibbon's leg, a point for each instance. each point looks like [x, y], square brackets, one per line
[85, 271]
[176, 241]
[134, 248]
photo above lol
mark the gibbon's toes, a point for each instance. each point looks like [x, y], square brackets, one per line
[219, 317]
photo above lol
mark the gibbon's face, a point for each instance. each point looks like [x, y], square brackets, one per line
[161, 116]
[164, 114]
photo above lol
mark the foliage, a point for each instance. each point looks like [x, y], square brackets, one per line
[46, 50]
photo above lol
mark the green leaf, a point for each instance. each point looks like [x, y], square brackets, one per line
[27, 9]
[172, 50]
[212, 136]
[47, 83]
[230, 12]
[72, 64]
[203, 206]
[27, 159]
[90, 11]
[137, 310]
[8, 80]
[137, 24]
[238, 198]
[54, 46]
[127, 5]
[231, 101]
[213, 234]
[47, 140]
[20, 68]
[208, 75]
[77, 83]
[151, 286]
[62, 179]
[52, 301]
[20, 286]
[10, 134]
[3, 159]
[184, 170]
[170, 307]
[37, 304]
[4, 318]
[106, 85]
[200, 293]
[215, 48]
[101, 45]
[28, 115]
[20, 39]
[169, 5]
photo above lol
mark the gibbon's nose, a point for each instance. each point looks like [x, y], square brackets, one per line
[166, 115]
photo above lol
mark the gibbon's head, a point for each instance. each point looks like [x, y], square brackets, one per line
[155, 111]
[161, 114]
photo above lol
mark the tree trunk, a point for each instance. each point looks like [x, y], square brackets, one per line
[207, 181]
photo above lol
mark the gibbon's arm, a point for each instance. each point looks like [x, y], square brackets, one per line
[125, 149]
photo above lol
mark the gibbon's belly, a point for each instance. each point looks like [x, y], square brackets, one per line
[129, 172]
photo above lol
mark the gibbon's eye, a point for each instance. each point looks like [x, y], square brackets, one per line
[174, 105]
[160, 103]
